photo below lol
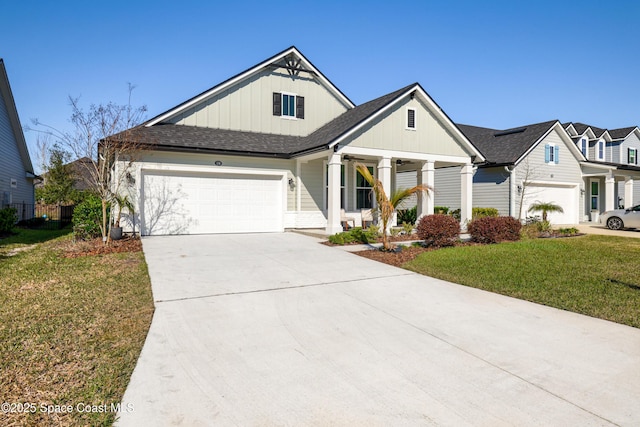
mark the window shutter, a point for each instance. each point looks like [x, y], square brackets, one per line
[411, 119]
[277, 104]
[300, 107]
[556, 157]
[546, 153]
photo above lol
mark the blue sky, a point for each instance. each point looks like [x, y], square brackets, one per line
[497, 64]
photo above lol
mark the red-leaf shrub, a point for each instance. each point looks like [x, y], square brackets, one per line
[494, 229]
[438, 230]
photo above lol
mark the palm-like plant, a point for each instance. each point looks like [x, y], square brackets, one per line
[388, 205]
[545, 207]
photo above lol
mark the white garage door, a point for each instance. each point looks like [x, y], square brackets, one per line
[185, 203]
[564, 196]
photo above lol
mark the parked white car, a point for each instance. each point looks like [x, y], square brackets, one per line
[621, 218]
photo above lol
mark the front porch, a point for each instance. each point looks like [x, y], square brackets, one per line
[607, 188]
[346, 193]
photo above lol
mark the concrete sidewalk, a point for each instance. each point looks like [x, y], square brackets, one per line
[276, 329]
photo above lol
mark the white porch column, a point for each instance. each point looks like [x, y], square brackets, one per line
[628, 192]
[384, 175]
[333, 194]
[426, 175]
[610, 190]
[466, 181]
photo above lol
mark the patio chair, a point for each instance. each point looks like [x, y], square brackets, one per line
[346, 219]
[367, 217]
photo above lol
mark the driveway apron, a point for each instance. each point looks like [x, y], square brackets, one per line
[277, 329]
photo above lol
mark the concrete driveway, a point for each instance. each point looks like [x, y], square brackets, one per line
[276, 329]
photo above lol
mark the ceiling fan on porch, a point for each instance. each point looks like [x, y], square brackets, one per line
[401, 162]
[348, 158]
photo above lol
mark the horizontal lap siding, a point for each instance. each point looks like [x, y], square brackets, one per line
[11, 166]
[312, 190]
[447, 187]
[491, 189]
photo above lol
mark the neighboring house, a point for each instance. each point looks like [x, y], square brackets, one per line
[81, 169]
[274, 147]
[16, 170]
[611, 172]
[536, 162]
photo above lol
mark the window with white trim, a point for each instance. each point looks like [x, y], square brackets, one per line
[600, 150]
[364, 196]
[595, 195]
[632, 156]
[583, 147]
[411, 118]
[288, 105]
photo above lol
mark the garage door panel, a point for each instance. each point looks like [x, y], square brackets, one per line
[207, 203]
[564, 196]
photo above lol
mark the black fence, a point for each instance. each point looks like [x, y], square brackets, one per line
[49, 217]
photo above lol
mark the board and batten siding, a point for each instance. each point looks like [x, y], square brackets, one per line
[248, 106]
[389, 131]
[312, 190]
[242, 162]
[11, 165]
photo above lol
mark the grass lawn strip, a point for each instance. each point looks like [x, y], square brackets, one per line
[593, 275]
[71, 330]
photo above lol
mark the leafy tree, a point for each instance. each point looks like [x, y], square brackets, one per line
[545, 207]
[388, 205]
[59, 180]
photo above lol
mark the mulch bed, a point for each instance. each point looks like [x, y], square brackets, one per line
[394, 258]
[91, 247]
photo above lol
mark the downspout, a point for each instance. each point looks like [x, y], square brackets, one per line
[512, 190]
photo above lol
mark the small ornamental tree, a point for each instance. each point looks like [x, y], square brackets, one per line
[545, 208]
[59, 180]
[108, 134]
[387, 205]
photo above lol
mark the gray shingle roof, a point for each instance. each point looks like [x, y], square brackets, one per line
[191, 138]
[505, 147]
[621, 133]
[581, 127]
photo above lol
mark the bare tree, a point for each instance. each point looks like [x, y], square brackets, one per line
[529, 175]
[43, 147]
[109, 135]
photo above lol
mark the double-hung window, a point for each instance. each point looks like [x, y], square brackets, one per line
[288, 105]
[364, 197]
[583, 147]
[632, 156]
[600, 150]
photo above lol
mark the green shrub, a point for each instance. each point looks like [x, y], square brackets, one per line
[441, 210]
[8, 218]
[87, 217]
[456, 214]
[407, 228]
[408, 215]
[356, 234]
[438, 230]
[490, 229]
[570, 231]
[483, 212]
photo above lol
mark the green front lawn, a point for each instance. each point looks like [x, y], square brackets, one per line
[71, 329]
[594, 275]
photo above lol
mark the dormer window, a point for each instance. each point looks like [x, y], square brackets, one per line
[600, 150]
[288, 105]
[583, 147]
[632, 156]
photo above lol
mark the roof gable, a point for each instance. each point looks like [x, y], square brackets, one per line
[7, 97]
[510, 146]
[290, 59]
[623, 133]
